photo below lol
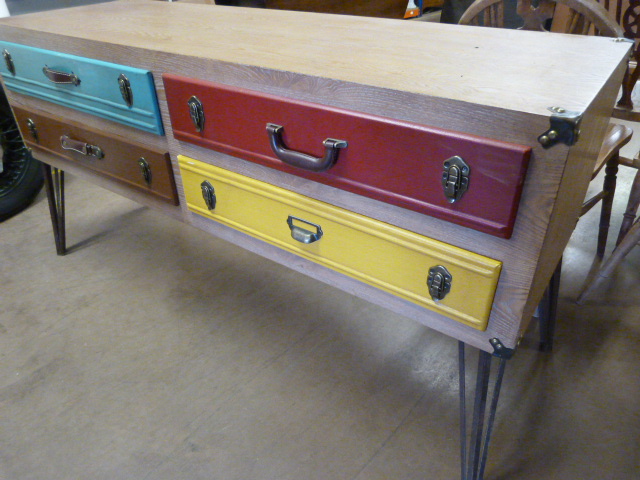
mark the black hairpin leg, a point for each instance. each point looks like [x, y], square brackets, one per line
[474, 459]
[547, 310]
[54, 185]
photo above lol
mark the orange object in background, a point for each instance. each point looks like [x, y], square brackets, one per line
[412, 10]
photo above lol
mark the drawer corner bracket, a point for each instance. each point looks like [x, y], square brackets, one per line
[564, 126]
[500, 351]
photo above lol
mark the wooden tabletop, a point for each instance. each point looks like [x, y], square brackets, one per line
[518, 70]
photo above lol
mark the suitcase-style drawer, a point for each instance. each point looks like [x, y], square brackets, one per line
[145, 169]
[116, 92]
[432, 274]
[472, 181]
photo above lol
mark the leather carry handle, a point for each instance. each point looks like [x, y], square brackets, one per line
[56, 76]
[79, 146]
[302, 160]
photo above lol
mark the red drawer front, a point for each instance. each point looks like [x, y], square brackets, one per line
[396, 162]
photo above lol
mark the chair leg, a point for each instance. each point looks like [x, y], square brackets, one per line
[609, 189]
[628, 82]
[630, 240]
[54, 185]
[632, 208]
[547, 310]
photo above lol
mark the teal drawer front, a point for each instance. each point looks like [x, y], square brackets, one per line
[116, 92]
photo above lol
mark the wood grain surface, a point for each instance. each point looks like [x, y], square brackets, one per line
[476, 65]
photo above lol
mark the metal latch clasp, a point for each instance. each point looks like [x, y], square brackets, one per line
[455, 178]
[196, 112]
[208, 194]
[9, 61]
[145, 170]
[439, 282]
[125, 89]
[33, 130]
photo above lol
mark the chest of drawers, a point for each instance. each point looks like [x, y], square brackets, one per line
[413, 165]
[402, 117]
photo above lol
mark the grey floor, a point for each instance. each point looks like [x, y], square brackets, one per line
[152, 351]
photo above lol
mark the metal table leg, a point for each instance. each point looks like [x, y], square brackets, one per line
[473, 464]
[547, 310]
[54, 185]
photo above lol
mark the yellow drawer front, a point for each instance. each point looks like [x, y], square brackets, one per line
[387, 257]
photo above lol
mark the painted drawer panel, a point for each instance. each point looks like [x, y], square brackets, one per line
[98, 91]
[396, 162]
[119, 158]
[387, 257]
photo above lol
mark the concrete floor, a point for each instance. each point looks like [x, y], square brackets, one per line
[152, 351]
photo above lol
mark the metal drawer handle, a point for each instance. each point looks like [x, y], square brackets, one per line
[302, 160]
[302, 235]
[56, 76]
[68, 143]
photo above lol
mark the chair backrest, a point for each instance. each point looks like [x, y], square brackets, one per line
[584, 16]
[627, 14]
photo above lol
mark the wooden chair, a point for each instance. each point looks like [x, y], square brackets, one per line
[613, 18]
[584, 16]
[581, 17]
[630, 240]
[627, 14]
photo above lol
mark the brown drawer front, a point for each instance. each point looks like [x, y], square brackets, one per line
[137, 166]
[396, 162]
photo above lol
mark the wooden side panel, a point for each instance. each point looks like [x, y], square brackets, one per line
[575, 182]
[381, 255]
[400, 163]
[121, 157]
